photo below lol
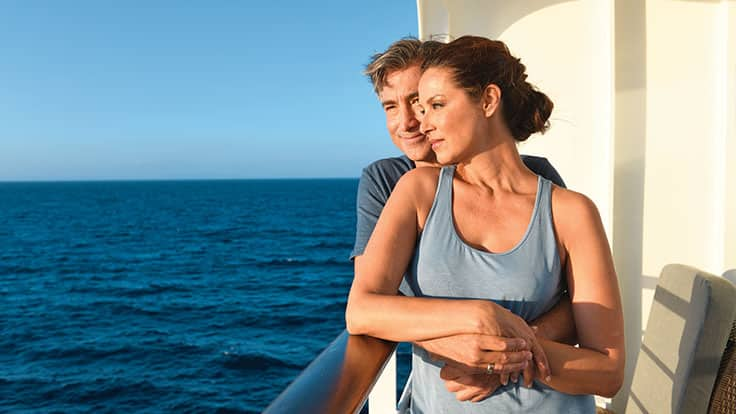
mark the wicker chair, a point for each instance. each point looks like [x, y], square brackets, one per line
[723, 399]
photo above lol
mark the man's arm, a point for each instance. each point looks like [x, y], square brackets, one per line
[377, 181]
[558, 323]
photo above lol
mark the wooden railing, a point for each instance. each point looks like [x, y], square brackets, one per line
[338, 380]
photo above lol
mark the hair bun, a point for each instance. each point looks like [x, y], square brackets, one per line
[533, 113]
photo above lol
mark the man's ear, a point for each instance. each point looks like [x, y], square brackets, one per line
[491, 99]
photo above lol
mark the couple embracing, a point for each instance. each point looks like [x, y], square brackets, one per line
[479, 256]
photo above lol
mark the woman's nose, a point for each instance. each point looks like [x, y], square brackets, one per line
[426, 124]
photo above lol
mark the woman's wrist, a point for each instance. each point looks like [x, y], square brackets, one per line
[483, 316]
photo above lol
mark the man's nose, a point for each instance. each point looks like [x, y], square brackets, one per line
[409, 121]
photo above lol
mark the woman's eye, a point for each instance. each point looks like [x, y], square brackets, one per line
[437, 105]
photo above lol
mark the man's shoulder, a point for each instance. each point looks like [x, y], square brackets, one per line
[385, 173]
[389, 166]
[542, 166]
[534, 159]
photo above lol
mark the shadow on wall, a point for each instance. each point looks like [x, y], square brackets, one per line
[630, 154]
[505, 14]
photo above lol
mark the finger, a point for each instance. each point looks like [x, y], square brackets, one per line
[509, 368]
[505, 362]
[451, 371]
[454, 371]
[509, 357]
[514, 376]
[493, 382]
[467, 394]
[483, 386]
[541, 359]
[529, 374]
[476, 380]
[500, 343]
[453, 386]
[504, 379]
[480, 397]
[497, 359]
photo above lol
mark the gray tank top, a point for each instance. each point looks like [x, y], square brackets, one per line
[526, 280]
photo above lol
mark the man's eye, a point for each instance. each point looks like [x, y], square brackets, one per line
[389, 108]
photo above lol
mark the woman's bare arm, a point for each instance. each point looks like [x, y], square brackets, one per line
[373, 307]
[597, 366]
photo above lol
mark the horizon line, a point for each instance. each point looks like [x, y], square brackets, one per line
[102, 180]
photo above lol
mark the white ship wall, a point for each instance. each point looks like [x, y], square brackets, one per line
[644, 122]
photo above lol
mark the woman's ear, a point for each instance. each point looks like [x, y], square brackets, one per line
[491, 99]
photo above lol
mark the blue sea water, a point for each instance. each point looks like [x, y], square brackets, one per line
[168, 296]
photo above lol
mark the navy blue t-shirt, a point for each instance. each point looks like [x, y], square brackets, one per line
[379, 179]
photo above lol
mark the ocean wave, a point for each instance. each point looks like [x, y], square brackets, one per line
[322, 244]
[254, 361]
[107, 391]
[82, 352]
[220, 232]
[21, 269]
[293, 262]
[146, 347]
[117, 308]
[152, 289]
[281, 321]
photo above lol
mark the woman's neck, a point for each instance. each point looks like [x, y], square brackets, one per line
[497, 168]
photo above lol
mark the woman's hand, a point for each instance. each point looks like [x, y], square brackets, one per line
[493, 319]
[473, 353]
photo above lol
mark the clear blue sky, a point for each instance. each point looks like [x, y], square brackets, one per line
[192, 89]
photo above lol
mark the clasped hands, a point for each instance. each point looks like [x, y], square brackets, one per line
[506, 344]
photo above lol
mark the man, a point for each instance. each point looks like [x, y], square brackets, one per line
[395, 76]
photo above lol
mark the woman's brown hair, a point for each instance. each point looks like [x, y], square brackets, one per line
[477, 62]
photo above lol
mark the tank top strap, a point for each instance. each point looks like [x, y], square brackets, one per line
[442, 205]
[544, 198]
[543, 228]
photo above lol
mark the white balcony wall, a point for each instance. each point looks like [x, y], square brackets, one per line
[644, 121]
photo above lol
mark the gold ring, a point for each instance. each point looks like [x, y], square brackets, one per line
[489, 368]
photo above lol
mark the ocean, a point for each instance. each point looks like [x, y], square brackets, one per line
[169, 296]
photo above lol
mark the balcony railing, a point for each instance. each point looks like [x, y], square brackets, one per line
[340, 379]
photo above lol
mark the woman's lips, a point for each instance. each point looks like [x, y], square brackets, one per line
[435, 143]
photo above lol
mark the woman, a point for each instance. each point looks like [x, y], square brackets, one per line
[510, 235]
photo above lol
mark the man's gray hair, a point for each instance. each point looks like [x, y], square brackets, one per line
[400, 55]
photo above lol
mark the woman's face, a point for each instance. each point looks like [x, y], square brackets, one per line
[452, 120]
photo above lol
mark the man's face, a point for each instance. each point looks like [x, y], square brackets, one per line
[399, 99]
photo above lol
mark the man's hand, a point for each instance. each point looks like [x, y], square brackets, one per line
[469, 387]
[472, 353]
